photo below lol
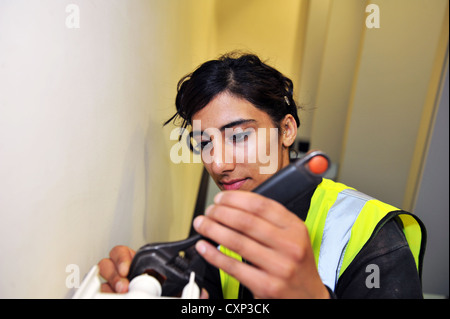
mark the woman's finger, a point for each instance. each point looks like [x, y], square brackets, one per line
[108, 271]
[257, 254]
[258, 281]
[254, 203]
[246, 223]
[122, 256]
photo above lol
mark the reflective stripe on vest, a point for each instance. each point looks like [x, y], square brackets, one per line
[336, 233]
[340, 222]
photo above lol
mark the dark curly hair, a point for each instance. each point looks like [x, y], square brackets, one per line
[244, 76]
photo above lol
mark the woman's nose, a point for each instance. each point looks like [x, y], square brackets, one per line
[222, 159]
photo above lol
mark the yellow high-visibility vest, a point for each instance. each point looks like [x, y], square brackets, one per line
[349, 219]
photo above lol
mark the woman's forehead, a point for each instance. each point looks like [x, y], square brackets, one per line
[225, 109]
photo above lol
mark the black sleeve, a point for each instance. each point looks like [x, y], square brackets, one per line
[384, 268]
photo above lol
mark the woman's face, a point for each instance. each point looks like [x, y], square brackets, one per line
[241, 146]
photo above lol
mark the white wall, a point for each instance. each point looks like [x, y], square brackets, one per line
[84, 161]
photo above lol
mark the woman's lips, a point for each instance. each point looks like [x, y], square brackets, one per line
[234, 184]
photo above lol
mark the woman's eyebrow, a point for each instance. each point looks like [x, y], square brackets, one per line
[236, 123]
[228, 125]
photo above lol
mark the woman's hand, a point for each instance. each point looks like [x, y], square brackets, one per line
[274, 240]
[115, 269]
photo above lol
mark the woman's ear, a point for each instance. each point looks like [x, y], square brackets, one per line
[288, 130]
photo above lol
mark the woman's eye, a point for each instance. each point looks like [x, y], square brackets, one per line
[204, 144]
[239, 137]
[198, 146]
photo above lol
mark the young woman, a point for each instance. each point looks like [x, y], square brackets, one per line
[348, 246]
